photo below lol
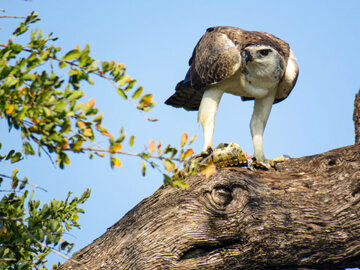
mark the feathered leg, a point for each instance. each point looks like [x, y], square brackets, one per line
[262, 108]
[207, 112]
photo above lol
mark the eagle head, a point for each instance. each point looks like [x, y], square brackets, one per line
[263, 62]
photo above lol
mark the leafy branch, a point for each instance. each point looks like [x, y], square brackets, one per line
[54, 119]
[45, 103]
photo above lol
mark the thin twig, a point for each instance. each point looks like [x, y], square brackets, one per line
[122, 153]
[49, 156]
[38, 142]
[8, 259]
[11, 190]
[28, 183]
[14, 17]
[11, 218]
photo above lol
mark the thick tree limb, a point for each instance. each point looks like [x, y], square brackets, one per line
[305, 215]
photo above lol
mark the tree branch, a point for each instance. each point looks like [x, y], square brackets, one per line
[13, 17]
[356, 117]
[305, 214]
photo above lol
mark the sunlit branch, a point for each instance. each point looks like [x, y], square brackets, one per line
[22, 181]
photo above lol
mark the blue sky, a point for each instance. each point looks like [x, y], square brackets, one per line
[155, 40]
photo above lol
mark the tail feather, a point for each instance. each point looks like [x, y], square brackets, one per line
[185, 97]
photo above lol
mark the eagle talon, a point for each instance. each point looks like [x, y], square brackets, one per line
[269, 163]
[202, 156]
[265, 164]
[208, 151]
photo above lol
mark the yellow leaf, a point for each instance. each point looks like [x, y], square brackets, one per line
[107, 134]
[184, 139]
[169, 165]
[159, 147]
[3, 231]
[91, 102]
[88, 132]
[81, 124]
[65, 145]
[143, 168]
[188, 153]
[116, 146]
[10, 109]
[152, 145]
[21, 91]
[116, 161]
[209, 170]
[192, 139]
[147, 98]
[100, 154]
[98, 119]
[35, 120]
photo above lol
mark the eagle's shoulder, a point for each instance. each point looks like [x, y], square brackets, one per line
[216, 56]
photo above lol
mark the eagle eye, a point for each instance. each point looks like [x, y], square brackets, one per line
[264, 52]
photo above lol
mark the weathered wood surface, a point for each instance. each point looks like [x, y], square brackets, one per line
[304, 215]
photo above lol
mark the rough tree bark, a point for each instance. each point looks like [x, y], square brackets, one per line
[304, 215]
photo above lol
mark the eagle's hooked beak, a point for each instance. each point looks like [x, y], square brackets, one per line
[248, 56]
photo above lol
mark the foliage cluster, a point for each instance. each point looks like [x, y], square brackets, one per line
[41, 97]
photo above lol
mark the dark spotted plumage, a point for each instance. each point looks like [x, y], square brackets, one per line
[216, 58]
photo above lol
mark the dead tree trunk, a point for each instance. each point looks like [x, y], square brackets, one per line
[304, 215]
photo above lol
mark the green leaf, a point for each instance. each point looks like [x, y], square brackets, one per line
[76, 94]
[175, 183]
[29, 77]
[15, 179]
[62, 64]
[10, 154]
[71, 55]
[16, 157]
[27, 149]
[130, 85]
[23, 183]
[137, 93]
[122, 93]
[180, 184]
[131, 141]
[167, 180]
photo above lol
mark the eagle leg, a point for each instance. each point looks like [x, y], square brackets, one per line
[262, 108]
[207, 112]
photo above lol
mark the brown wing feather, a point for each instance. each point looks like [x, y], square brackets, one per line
[214, 59]
[217, 56]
